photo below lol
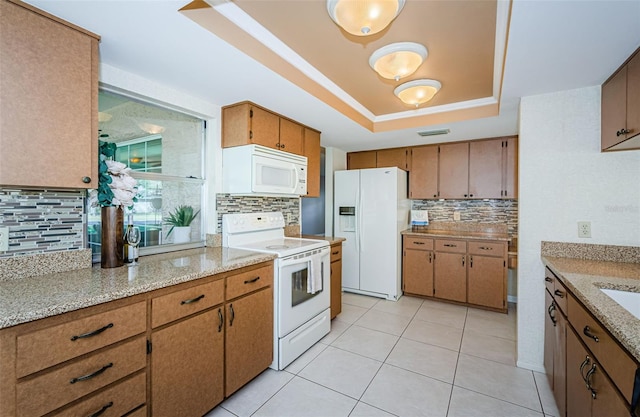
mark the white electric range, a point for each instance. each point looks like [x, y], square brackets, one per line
[301, 280]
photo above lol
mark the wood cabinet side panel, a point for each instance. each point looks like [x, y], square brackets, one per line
[336, 288]
[510, 166]
[249, 338]
[614, 109]
[236, 125]
[423, 177]
[312, 152]
[46, 74]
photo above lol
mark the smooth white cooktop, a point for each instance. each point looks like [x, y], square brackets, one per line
[284, 246]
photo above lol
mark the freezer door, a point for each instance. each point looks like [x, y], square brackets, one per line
[346, 192]
[378, 230]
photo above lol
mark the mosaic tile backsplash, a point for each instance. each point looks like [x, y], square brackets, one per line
[42, 221]
[227, 203]
[472, 211]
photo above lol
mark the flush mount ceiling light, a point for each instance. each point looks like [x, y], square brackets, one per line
[364, 17]
[417, 92]
[398, 60]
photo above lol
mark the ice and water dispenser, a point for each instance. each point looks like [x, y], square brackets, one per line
[347, 219]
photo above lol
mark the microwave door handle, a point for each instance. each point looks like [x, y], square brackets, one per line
[296, 179]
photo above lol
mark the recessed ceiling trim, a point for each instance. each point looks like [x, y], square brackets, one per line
[503, 20]
[427, 111]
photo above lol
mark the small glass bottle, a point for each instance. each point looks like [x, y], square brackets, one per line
[128, 250]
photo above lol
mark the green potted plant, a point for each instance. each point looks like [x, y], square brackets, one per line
[180, 220]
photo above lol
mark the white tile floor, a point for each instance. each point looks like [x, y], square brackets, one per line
[408, 358]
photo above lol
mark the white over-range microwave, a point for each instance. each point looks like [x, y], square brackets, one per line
[256, 169]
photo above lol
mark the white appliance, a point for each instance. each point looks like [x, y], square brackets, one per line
[371, 209]
[255, 169]
[301, 306]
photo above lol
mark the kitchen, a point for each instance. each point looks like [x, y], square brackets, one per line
[559, 162]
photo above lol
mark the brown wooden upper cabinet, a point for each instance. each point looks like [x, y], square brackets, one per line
[423, 177]
[453, 173]
[247, 123]
[45, 61]
[621, 108]
[396, 157]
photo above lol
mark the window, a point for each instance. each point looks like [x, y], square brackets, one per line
[164, 149]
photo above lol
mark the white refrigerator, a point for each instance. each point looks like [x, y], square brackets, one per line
[370, 210]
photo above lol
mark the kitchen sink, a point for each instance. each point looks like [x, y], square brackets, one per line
[627, 299]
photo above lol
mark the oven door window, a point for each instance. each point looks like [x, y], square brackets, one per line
[299, 285]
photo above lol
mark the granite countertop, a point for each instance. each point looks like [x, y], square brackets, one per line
[584, 278]
[331, 239]
[31, 298]
[457, 234]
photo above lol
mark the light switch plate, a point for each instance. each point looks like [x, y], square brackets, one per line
[4, 239]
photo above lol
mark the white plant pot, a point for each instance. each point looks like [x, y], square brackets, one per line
[181, 234]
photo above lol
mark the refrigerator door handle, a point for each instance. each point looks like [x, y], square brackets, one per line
[358, 216]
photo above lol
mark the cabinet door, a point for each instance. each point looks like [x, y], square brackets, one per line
[423, 177]
[614, 109]
[236, 125]
[578, 363]
[485, 168]
[607, 402]
[291, 137]
[486, 281]
[417, 272]
[510, 168]
[450, 276]
[249, 333]
[392, 158]
[48, 106]
[265, 128]
[187, 366]
[336, 288]
[560, 363]
[361, 160]
[550, 321]
[453, 173]
[312, 152]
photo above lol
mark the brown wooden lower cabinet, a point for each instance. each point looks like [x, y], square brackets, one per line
[187, 366]
[450, 276]
[249, 338]
[417, 272]
[486, 281]
[336, 279]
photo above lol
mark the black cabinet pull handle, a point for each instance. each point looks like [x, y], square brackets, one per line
[588, 381]
[86, 180]
[192, 300]
[91, 375]
[335, 253]
[584, 363]
[587, 332]
[233, 315]
[435, 195]
[485, 248]
[463, 260]
[430, 257]
[465, 195]
[221, 320]
[93, 333]
[559, 293]
[449, 245]
[251, 281]
[622, 132]
[470, 195]
[282, 146]
[415, 242]
[551, 310]
[548, 279]
[470, 261]
[102, 410]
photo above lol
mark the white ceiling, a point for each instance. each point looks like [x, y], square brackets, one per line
[553, 45]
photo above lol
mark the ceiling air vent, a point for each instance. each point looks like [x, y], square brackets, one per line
[434, 132]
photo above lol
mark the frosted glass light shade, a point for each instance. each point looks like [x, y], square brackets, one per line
[417, 92]
[398, 60]
[364, 17]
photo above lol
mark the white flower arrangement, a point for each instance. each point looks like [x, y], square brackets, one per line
[116, 187]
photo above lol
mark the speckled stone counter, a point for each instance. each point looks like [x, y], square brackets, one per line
[36, 297]
[331, 239]
[585, 277]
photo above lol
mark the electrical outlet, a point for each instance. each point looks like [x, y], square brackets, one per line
[584, 229]
[4, 239]
[456, 216]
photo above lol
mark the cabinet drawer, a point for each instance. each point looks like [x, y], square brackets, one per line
[336, 252]
[69, 340]
[246, 282]
[447, 245]
[497, 249]
[54, 389]
[615, 361]
[170, 307]
[115, 401]
[560, 295]
[418, 243]
[549, 279]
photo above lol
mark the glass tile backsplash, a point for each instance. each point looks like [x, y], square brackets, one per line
[289, 206]
[42, 221]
